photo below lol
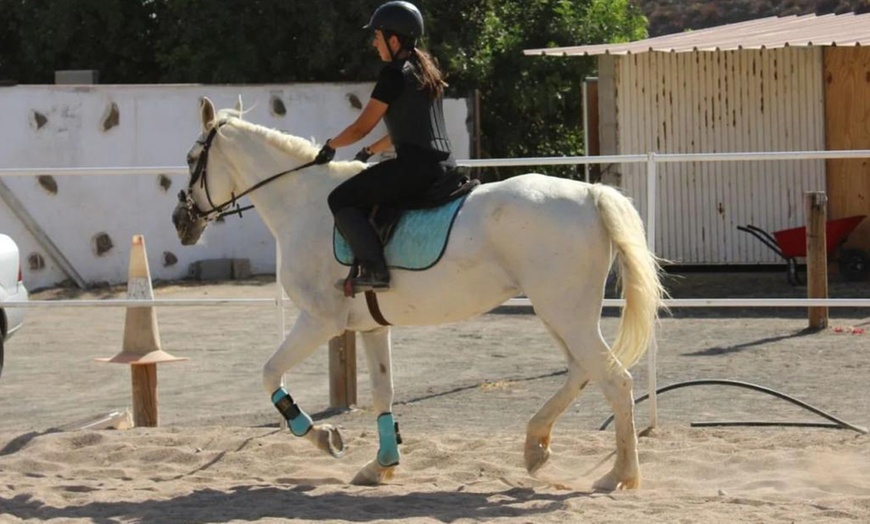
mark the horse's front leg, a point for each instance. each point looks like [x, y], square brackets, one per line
[307, 334]
[377, 348]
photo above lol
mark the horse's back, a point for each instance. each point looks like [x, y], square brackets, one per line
[535, 224]
[536, 209]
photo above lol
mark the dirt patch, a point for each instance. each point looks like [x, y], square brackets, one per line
[463, 394]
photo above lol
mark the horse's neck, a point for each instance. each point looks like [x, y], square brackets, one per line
[292, 201]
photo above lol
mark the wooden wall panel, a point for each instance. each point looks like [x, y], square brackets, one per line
[594, 146]
[847, 126]
[592, 127]
[715, 102]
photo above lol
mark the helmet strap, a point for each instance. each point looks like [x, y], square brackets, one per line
[404, 45]
[387, 35]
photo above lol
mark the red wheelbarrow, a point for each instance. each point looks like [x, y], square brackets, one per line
[791, 244]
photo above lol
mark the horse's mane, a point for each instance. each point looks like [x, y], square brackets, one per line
[304, 150]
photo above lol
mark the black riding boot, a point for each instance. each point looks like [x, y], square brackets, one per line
[366, 247]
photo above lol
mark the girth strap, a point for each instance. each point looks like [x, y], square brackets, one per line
[371, 297]
[375, 309]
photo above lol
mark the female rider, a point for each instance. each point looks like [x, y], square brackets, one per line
[408, 96]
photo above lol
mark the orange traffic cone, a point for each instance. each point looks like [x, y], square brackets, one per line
[141, 346]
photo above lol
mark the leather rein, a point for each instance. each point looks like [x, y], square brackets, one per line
[200, 174]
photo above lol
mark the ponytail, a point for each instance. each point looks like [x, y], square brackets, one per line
[429, 77]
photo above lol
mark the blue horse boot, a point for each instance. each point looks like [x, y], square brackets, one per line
[297, 420]
[389, 440]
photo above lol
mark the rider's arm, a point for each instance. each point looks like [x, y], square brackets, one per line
[381, 145]
[387, 89]
[365, 122]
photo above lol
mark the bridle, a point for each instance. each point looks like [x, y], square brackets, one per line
[199, 173]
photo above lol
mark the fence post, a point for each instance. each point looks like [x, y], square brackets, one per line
[342, 370]
[817, 256]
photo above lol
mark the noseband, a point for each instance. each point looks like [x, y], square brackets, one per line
[200, 174]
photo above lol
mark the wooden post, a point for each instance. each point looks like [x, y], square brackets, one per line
[477, 132]
[342, 371]
[145, 412]
[817, 256]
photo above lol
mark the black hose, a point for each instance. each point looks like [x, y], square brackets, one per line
[764, 424]
[725, 382]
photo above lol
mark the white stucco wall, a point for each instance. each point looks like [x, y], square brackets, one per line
[156, 127]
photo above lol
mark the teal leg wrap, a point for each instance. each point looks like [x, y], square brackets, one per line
[297, 420]
[388, 433]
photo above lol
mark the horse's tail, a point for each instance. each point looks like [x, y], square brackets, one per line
[639, 273]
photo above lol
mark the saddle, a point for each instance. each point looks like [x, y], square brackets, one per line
[415, 234]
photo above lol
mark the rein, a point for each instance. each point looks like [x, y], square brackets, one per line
[200, 174]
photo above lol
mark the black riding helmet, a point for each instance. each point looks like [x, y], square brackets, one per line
[399, 18]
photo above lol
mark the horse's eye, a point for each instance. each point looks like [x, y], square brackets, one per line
[190, 160]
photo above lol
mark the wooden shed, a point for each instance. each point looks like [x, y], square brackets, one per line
[797, 83]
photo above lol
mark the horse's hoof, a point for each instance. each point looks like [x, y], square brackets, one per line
[611, 482]
[373, 474]
[327, 439]
[536, 454]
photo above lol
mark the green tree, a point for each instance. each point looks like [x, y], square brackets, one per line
[262, 41]
[532, 106]
[108, 35]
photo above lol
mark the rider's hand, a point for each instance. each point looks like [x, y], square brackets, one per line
[363, 155]
[326, 154]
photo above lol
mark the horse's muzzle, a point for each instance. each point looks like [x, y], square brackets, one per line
[187, 225]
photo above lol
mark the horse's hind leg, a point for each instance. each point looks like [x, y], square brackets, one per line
[540, 426]
[591, 353]
[377, 348]
[616, 383]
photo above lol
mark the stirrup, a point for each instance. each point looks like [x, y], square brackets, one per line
[357, 282]
[361, 284]
[351, 288]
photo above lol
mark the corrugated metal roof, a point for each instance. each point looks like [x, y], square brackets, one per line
[764, 33]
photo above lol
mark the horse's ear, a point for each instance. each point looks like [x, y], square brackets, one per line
[239, 106]
[206, 110]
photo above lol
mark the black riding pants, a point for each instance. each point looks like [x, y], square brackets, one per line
[392, 182]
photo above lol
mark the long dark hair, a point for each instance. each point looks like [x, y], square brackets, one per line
[429, 76]
[426, 70]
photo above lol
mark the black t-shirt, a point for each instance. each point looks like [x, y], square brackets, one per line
[414, 119]
[389, 86]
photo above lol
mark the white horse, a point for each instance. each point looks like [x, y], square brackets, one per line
[551, 239]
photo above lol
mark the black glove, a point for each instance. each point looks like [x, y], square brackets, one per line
[326, 154]
[363, 155]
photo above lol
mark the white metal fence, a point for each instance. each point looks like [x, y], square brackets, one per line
[651, 159]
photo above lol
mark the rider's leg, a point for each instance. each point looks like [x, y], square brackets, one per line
[366, 246]
[392, 182]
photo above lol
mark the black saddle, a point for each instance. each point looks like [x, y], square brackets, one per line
[453, 185]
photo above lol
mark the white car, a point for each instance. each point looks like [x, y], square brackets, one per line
[11, 290]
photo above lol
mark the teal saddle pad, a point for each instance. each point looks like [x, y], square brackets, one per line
[418, 239]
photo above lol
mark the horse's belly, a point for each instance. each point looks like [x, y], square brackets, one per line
[444, 293]
[464, 283]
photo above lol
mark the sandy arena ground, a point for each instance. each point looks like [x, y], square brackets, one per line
[463, 395]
